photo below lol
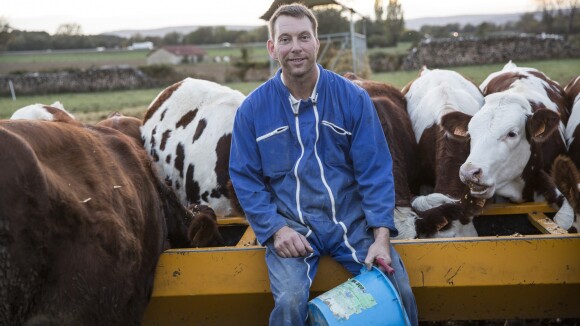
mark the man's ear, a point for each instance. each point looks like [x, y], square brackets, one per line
[270, 45]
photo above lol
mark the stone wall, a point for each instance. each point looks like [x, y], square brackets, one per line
[89, 80]
[459, 52]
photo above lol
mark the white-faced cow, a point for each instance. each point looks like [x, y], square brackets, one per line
[53, 112]
[516, 135]
[187, 132]
[83, 220]
[433, 100]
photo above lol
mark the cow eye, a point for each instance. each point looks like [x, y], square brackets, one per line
[512, 134]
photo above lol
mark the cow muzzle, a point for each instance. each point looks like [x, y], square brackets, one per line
[473, 177]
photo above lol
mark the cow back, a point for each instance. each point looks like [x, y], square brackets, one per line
[430, 97]
[187, 132]
[81, 223]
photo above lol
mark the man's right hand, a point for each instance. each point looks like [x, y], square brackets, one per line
[289, 243]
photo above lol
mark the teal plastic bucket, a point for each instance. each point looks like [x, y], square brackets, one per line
[367, 299]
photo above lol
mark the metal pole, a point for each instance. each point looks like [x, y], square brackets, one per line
[352, 46]
[12, 90]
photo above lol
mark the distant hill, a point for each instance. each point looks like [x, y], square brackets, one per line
[160, 32]
[414, 24]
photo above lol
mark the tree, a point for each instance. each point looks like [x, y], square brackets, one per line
[395, 22]
[69, 29]
[5, 33]
[172, 38]
[331, 21]
[379, 10]
[551, 9]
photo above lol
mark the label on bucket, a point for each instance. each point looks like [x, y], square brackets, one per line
[348, 298]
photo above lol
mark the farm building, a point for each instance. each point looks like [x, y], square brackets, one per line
[176, 54]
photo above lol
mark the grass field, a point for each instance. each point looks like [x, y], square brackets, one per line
[93, 107]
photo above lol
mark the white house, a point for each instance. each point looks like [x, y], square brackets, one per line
[176, 54]
[141, 46]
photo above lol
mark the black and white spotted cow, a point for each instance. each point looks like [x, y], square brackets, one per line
[187, 132]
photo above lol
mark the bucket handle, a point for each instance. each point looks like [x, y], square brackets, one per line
[391, 271]
[387, 268]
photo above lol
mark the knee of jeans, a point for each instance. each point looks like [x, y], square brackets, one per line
[292, 299]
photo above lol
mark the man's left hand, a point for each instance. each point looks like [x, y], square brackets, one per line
[380, 248]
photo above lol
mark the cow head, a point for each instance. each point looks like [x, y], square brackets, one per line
[53, 112]
[130, 126]
[567, 178]
[501, 135]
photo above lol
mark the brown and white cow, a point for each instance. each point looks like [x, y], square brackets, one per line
[567, 178]
[565, 173]
[83, 220]
[433, 100]
[515, 136]
[187, 132]
[572, 90]
[390, 105]
[203, 229]
[53, 112]
[130, 126]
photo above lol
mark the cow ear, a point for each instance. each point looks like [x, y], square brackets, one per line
[455, 124]
[567, 178]
[542, 124]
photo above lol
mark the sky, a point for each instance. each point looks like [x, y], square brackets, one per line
[99, 16]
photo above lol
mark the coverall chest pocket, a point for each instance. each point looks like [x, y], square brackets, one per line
[276, 151]
[336, 143]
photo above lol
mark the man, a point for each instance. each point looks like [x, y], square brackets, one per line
[312, 170]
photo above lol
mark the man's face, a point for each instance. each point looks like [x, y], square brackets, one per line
[294, 46]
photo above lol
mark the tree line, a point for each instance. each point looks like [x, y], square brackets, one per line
[385, 30]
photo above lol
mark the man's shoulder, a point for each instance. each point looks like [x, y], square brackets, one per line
[342, 84]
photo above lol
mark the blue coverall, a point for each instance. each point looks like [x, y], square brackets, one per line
[323, 169]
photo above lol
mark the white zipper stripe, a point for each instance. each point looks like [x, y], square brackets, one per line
[296, 168]
[272, 133]
[333, 205]
[336, 128]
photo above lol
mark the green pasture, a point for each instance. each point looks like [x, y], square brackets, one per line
[93, 56]
[561, 70]
[92, 107]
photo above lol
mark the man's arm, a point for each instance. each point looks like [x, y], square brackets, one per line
[373, 166]
[247, 179]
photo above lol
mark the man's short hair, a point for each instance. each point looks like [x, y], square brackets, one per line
[296, 10]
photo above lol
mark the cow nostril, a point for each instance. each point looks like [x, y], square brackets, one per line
[476, 174]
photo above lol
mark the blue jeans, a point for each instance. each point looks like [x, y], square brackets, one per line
[291, 278]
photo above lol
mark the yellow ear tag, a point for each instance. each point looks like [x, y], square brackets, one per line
[460, 132]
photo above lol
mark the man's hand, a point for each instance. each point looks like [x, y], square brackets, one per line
[289, 243]
[380, 248]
